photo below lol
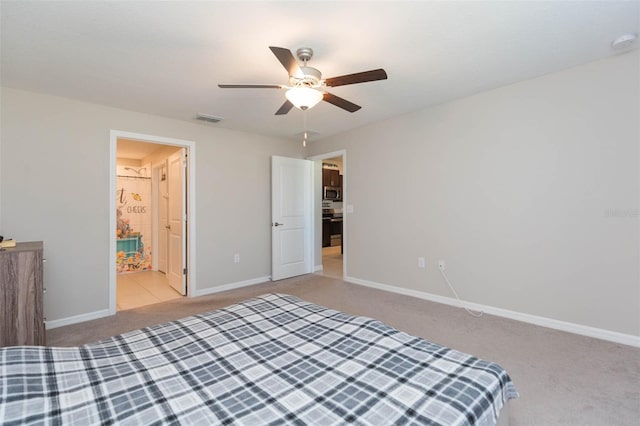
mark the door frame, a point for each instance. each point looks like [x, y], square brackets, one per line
[317, 209]
[114, 135]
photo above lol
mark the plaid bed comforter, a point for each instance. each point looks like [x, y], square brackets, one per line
[273, 359]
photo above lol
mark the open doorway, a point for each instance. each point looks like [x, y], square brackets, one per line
[330, 235]
[142, 230]
[149, 257]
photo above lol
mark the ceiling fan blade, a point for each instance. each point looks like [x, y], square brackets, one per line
[285, 108]
[340, 102]
[359, 77]
[287, 60]
[250, 86]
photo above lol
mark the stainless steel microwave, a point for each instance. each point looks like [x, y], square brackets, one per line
[332, 193]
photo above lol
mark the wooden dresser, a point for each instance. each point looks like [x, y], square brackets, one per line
[21, 295]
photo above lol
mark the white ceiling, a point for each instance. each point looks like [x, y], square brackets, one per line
[166, 58]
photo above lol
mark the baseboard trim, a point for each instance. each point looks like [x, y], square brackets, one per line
[318, 268]
[105, 312]
[230, 286]
[597, 333]
[76, 319]
[584, 330]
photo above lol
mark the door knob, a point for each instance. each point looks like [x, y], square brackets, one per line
[278, 224]
[168, 226]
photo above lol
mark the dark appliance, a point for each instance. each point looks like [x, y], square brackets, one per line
[331, 228]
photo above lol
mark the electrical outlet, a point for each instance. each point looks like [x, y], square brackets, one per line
[236, 258]
[421, 262]
[441, 264]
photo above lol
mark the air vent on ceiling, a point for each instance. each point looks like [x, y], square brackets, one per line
[208, 117]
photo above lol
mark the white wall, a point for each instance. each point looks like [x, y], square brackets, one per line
[514, 188]
[54, 183]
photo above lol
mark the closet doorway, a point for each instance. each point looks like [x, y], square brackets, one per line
[150, 262]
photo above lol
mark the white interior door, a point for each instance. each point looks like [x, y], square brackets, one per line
[163, 219]
[177, 248]
[290, 217]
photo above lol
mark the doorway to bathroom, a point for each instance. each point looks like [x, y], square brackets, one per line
[151, 188]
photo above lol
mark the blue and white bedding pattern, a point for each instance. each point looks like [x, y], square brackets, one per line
[273, 359]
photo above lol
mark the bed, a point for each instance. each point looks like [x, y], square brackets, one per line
[273, 359]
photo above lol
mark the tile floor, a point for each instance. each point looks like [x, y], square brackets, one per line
[143, 288]
[146, 288]
[331, 262]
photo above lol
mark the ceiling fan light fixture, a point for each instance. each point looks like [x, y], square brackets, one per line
[306, 86]
[304, 97]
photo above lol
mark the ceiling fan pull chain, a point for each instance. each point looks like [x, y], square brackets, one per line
[304, 126]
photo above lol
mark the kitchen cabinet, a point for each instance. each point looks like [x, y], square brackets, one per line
[21, 295]
[331, 177]
[326, 233]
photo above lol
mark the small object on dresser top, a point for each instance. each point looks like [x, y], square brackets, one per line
[7, 243]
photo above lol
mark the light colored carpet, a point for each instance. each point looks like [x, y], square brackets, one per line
[562, 378]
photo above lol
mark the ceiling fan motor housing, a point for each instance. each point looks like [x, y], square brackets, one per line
[310, 77]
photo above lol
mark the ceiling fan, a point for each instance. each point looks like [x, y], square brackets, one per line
[306, 87]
